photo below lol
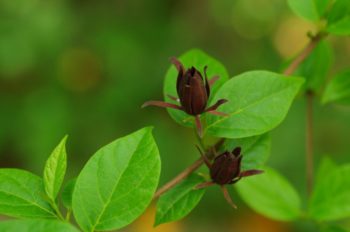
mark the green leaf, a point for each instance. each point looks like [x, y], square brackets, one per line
[271, 195]
[327, 165]
[305, 8]
[257, 102]
[55, 169]
[333, 228]
[180, 200]
[315, 68]
[330, 199]
[255, 150]
[117, 183]
[22, 195]
[322, 6]
[341, 27]
[339, 10]
[39, 225]
[67, 193]
[338, 90]
[197, 59]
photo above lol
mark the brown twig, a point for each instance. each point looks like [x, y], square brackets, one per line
[309, 141]
[304, 54]
[185, 173]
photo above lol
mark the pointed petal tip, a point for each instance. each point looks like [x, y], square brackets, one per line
[251, 172]
[144, 105]
[177, 63]
[237, 151]
[228, 197]
[173, 58]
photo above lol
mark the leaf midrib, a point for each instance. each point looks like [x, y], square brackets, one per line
[114, 188]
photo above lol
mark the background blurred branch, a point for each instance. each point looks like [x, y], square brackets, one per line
[309, 142]
[314, 40]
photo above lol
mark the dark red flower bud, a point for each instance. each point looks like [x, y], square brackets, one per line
[193, 91]
[226, 167]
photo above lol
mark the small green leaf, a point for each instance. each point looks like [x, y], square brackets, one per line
[197, 59]
[271, 195]
[117, 183]
[180, 200]
[305, 8]
[22, 195]
[338, 90]
[330, 199]
[55, 169]
[315, 68]
[41, 225]
[341, 27]
[255, 150]
[67, 193]
[257, 102]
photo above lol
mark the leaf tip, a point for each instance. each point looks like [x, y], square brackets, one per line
[64, 139]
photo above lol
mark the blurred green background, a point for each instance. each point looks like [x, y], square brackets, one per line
[84, 68]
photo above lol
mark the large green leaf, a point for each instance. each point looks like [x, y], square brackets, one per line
[180, 200]
[257, 102]
[117, 183]
[341, 27]
[271, 195]
[330, 199]
[305, 8]
[55, 169]
[22, 195]
[197, 59]
[338, 90]
[315, 67]
[255, 150]
[36, 225]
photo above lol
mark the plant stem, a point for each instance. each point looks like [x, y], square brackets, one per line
[185, 173]
[200, 140]
[309, 141]
[188, 171]
[314, 40]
